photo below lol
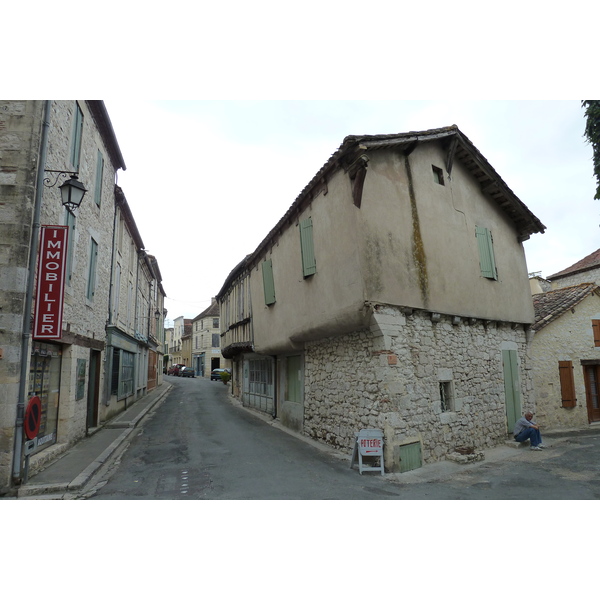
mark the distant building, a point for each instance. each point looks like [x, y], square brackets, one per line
[206, 343]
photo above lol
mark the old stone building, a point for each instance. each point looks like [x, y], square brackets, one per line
[57, 268]
[206, 341]
[181, 345]
[393, 294]
[566, 347]
[136, 316]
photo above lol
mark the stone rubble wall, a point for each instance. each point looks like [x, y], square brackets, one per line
[388, 378]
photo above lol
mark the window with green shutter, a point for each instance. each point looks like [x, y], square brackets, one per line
[487, 261]
[268, 282]
[76, 137]
[99, 173]
[309, 263]
[91, 286]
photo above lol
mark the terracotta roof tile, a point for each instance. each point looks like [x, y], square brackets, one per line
[551, 305]
[589, 262]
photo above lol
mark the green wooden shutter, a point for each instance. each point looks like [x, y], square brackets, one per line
[309, 263]
[486, 253]
[91, 287]
[268, 282]
[99, 172]
[76, 139]
[512, 389]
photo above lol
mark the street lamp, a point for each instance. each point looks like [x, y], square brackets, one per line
[72, 191]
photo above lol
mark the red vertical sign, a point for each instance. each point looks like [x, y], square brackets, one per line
[52, 261]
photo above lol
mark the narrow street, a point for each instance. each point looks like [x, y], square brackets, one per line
[199, 445]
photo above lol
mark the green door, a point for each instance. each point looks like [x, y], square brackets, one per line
[294, 373]
[512, 389]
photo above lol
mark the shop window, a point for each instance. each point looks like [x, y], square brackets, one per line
[44, 382]
[127, 360]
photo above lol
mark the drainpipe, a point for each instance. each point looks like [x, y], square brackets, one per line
[108, 356]
[33, 252]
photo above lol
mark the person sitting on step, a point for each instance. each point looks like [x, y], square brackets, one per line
[526, 429]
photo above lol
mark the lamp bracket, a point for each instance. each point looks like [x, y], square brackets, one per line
[59, 173]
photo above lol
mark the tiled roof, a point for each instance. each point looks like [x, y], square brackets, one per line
[211, 311]
[589, 262]
[551, 305]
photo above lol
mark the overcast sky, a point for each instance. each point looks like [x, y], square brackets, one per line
[207, 180]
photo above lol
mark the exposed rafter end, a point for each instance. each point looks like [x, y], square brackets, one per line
[358, 172]
[451, 153]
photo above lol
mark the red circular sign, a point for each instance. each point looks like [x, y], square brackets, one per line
[33, 417]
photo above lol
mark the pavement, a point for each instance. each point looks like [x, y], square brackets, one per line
[66, 477]
[72, 473]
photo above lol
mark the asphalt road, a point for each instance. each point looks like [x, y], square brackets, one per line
[199, 445]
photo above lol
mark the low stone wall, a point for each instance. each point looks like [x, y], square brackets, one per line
[389, 378]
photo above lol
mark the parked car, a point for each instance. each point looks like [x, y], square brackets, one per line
[187, 372]
[215, 374]
[174, 370]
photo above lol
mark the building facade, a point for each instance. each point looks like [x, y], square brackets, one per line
[206, 341]
[566, 346]
[565, 355]
[42, 143]
[180, 349]
[393, 294]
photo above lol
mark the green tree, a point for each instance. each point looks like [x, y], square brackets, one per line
[592, 133]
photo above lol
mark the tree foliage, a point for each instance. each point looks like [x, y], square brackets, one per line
[592, 133]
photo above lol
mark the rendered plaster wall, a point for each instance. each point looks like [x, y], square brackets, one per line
[418, 240]
[388, 378]
[569, 337]
[411, 243]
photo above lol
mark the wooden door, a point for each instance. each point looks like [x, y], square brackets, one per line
[591, 375]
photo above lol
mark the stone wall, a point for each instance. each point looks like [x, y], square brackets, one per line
[389, 378]
[589, 276]
[20, 126]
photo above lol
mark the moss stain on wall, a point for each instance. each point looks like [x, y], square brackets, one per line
[418, 250]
